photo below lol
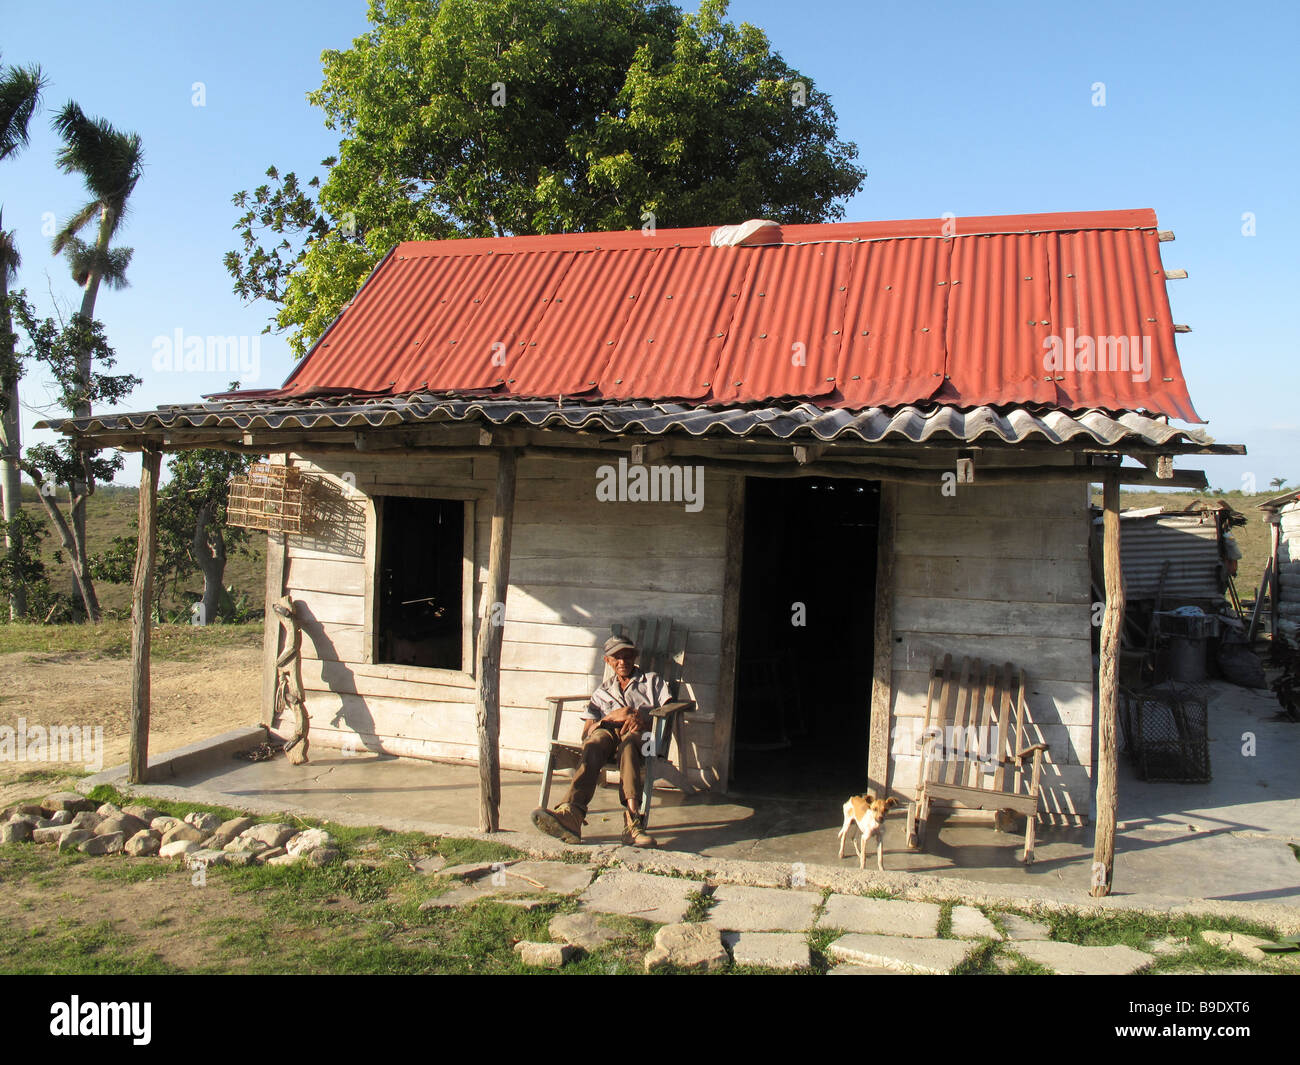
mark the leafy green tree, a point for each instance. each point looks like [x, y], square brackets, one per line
[22, 570]
[192, 531]
[471, 118]
[110, 162]
[20, 92]
[66, 350]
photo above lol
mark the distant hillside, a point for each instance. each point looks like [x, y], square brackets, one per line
[111, 512]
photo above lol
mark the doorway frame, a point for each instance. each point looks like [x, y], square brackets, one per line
[882, 681]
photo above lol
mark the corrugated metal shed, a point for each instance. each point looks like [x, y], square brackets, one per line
[849, 315]
[1189, 542]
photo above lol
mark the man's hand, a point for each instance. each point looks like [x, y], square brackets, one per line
[635, 722]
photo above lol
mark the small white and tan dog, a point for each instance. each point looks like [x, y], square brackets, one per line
[868, 813]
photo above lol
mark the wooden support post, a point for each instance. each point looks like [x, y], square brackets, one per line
[1275, 589]
[1103, 854]
[276, 560]
[882, 679]
[724, 717]
[141, 621]
[491, 626]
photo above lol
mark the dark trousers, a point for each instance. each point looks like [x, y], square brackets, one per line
[601, 745]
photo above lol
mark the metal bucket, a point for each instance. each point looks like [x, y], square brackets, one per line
[1186, 659]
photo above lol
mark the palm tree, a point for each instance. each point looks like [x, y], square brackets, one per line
[10, 425]
[20, 93]
[110, 162]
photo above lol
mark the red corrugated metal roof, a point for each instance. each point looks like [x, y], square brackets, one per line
[851, 315]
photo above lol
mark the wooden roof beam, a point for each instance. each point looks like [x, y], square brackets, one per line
[651, 452]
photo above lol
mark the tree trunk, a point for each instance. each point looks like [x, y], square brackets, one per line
[82, 586]
[211, 559]
[10, 444]
[80, 490]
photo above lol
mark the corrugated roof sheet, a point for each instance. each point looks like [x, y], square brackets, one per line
[907, 424]
[849, 315]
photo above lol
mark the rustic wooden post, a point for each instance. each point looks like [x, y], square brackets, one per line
[1275, 589]
[141, 621]
[276, 560]
[882, 680]
[1103, 854]
[725, 714]
[491, 630]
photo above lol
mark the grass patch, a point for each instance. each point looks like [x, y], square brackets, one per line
[944, 929]
[819, 942]
[123, 869]
[1022, 966]
[979, 962]
[112, 639]
[699, 903]
[74, 948]
[1135, 929]
[42, 776]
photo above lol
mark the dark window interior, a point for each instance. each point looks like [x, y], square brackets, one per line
[419, 584]
[804, 691]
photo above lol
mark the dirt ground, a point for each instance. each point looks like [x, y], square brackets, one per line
[191, 700]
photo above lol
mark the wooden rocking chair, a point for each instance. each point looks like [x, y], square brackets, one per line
[662, 650]
[991, 773]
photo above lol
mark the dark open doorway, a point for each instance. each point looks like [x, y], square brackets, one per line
[807, 604]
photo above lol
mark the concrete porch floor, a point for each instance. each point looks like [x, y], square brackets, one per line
[1227, 840]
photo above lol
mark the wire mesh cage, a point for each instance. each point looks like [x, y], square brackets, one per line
[270, 497]
[1166, 732]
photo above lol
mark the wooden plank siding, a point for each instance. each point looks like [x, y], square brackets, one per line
[1001, 574]
[578, 566]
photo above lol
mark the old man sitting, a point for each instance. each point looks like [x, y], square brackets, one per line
[615, 726]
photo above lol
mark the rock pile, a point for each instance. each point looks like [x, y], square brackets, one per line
[70, 821]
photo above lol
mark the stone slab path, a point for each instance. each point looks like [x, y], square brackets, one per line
[768, 927]
[853, 913]
[1067, 959]
[757, 909]
[772, 950]
[906, 953]
[661, 899]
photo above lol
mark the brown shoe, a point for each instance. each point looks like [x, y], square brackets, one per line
[564, 822]
[634, 833]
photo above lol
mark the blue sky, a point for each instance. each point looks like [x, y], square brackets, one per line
[964, 108]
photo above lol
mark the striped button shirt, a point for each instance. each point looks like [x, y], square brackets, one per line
[645, 690]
